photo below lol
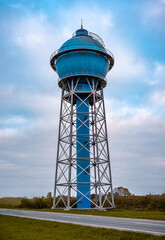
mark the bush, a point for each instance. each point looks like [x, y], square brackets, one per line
[42, 202]
[36, 202]
[148, 202]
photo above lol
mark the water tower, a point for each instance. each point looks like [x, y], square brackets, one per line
[83, 173]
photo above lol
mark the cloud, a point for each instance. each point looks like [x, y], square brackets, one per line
[28, 143]
[90, 18]
[41, 103]
[153, 13]
[156, 9]
[159, 98]
[158, 75]
[33, 33]
[136, 137]
[7, 132]
[128, 64]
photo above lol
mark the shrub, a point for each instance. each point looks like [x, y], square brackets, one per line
[148, 202]
[36, 202]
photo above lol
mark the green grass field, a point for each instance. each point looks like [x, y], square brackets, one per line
[10, 201]
[30, 229]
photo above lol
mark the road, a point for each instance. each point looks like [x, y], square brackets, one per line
[137, 225]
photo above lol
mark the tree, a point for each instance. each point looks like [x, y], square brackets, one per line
[121, 192]
[49, 195]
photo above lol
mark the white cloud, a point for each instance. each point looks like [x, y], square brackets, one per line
[15, 120]
[41, 103]
[136, 138]
[7, 133]
[90, 18]
[34, 39]
[29, 33]
[128, 64]
[159, 98]
[153, 14]
[155, 9]
[158, 75]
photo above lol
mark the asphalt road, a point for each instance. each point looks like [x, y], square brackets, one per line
[137, 225]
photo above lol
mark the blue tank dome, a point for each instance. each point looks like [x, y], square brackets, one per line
[81, 39]
[83, 54]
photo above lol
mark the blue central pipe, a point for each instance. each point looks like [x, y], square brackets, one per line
[83, 154]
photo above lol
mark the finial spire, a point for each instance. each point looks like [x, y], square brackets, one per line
[81, 24]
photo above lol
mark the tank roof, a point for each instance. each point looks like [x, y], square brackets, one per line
[83, 39]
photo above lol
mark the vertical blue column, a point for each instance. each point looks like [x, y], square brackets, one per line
[83, 154]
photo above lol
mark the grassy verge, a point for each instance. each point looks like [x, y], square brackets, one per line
[29, 229]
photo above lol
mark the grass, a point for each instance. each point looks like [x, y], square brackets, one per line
[31, 229]
[10, 201]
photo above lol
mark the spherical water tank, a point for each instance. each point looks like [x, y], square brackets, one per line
[83, 54]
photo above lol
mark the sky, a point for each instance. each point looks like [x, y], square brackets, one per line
[30, 31]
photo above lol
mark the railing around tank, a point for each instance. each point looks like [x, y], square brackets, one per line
[81, 47]
[97, 38]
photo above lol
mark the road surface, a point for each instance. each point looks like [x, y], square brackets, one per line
[137, 225]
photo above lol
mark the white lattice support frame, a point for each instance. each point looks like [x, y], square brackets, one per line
[67, 162]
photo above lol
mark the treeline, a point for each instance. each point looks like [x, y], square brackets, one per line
[148, 202]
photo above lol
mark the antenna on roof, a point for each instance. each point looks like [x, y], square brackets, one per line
[81, 24]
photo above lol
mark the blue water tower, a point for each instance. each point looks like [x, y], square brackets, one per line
[83, 173]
